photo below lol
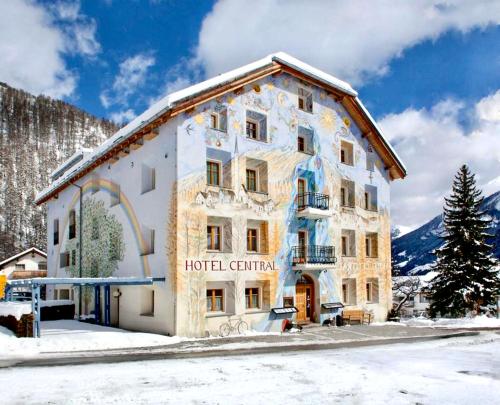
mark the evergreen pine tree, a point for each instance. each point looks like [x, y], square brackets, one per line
[467, 279]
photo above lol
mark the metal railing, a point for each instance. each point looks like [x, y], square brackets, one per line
[313, 254]
[313, 200]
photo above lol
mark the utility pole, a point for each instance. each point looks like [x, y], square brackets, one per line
[80, 243]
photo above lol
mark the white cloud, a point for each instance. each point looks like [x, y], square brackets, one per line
[354, 40]
[122, 117]
[131, 76]
[434, 144]
[34, 41]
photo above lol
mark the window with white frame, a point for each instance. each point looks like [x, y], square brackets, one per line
[305, 140]
[371, 244]
[148, 178]
[257, 236]
[256, 126]
[215, 300]
[213, 173]
[372, 290]
[347, 193]
[348, 243]
[256, 175]
[219, 234]
[346, 153]
[305, 100]
[349, 291]
[218, 120]
[370, 198]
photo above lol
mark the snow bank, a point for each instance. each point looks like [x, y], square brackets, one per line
[16, 309]
[450, 323]
[70, 336]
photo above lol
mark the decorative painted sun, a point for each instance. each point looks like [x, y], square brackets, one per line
[199, 119]
[347, 121]
[327, 119]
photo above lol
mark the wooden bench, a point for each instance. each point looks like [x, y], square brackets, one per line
[357, 315]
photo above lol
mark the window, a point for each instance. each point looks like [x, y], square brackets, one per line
[218, 120]
[349, 291]
[72, 224]
[288, 302]
[305, 140]
[346, 153]
[256, 175]
[370, 199]
[252, 129]
[305, 100]
[147, 302]
[257, 236]
[64, 259]
[251, 180]
[56, 231]
[213, 237]
[73, 257]
[114, 195]
[347, 193]
[372, 296]
[371, 244]
[42, 266]
[213, 173]
[20, 266]
[256, 126]
[63, 294]
[215, 300]
[252, 298]
[148, 179]
[252, 240]
[348, 242]
[148, 241]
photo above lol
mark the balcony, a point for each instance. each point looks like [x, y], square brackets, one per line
[313, 206]
[313, 257]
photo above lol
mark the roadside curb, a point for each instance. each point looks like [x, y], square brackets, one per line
[156, 352]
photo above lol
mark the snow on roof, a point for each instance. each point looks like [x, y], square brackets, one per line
[71, 161]
[171, 100]
[32, 249]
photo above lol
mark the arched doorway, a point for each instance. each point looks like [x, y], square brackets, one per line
[304, 299]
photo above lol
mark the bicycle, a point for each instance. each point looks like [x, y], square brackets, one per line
[227, 328]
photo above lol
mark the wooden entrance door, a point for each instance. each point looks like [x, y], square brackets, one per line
[304, 300]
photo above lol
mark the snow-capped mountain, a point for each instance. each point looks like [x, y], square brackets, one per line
[36, 135]
[413, 252]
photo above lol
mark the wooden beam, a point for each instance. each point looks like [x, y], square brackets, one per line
[114, 159]
[151, 134]
[137, 143]
[124, 152]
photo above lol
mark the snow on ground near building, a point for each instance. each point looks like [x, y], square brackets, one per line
[451, 323]
[70, 335]
[458, 370]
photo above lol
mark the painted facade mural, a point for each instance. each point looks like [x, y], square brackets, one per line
[221, 221]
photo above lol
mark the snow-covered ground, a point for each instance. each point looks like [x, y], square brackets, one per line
[452, 371]
[451, 323]
[70, 335]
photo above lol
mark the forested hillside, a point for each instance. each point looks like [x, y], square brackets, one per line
[36, 135]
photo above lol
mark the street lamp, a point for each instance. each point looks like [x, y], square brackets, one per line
[80, 243]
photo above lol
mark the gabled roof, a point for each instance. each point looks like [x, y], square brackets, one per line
[192, 96]
[27, 251]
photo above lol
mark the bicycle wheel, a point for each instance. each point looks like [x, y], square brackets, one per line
[225, 329]
[242, 327]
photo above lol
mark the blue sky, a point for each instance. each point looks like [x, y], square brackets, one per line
[428, 70]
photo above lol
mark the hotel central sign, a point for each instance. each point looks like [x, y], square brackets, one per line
[233, 265]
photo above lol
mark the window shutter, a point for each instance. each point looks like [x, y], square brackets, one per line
[264, 238]
[223, 120]
[263, 129]
[226, 174]
[227, 235]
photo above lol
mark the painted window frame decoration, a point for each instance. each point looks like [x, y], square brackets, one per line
[305, 100]
[218, 165]
[218, 120]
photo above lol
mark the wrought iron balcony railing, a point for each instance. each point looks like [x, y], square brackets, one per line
[313, 200]
[313, 254]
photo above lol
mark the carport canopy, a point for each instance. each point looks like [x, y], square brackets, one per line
[96, 282]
